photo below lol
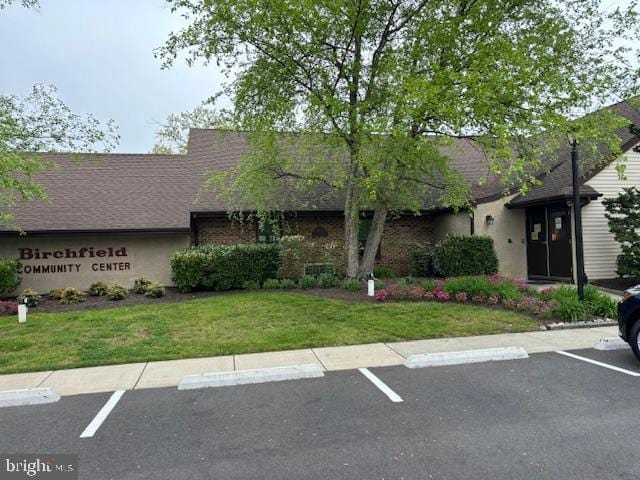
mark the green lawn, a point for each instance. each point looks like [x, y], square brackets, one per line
[242, 323]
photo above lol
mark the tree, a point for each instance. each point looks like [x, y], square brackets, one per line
[623, 214]
[173, 133]
[34, 124]
[372, 92]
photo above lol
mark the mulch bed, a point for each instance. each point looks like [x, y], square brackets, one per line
[619, 284]
[48, 305]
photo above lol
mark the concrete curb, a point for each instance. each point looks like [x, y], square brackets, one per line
[27, 396]
[244, 377]
[469, 356]
[611, 343]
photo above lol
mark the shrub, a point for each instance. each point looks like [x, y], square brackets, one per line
[116, 292]
[308, 281]
[569, 308]
[408, 281]
[31, 296]
[624, 223]
[9, 279]
[98, 289]
[421, 258]
[599, 303]
[8, 307]
[55, 294]
[271, 283]
[352, 284]
[327, 280]
[155, 290]
[461, 255]
[378, 284]
[287, 283]
[401, 292]
[428, 284]
[218, 267]
[384, 272]
[140, 285]
[71, 296]
[462, 297]
[506, 290]
[250, 285]
[473, 286]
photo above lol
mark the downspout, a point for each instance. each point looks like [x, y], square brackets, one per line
[472, 222]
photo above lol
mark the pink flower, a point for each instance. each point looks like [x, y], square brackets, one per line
[479, 299]
[8, 307]
[461, 297]
[493, 300]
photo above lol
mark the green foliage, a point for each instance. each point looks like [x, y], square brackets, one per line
[378, 284]
[569, 308]
[55, 294]
[473, 286]
[31, 296]
[599, 303]
[308, 281]
[327, 280]
[623, 213]
[421, 259]
[71, 296]
[287, 283]
[506, 290]
[140, 285]
[271, 284]
[459, 255]
[384, 272]
[35, 123]
[217, 267]
[155, 290]
[407, 281]
[9, 278]
[98, 289]
[428, 284]
[251, 285]
[352, 284]
[377, 90]
[116, 292]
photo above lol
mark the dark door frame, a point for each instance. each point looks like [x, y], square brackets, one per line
[547, 225]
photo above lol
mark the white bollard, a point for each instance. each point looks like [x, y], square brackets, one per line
[22, 313]
[371, 286]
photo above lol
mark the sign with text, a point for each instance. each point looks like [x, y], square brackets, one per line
[38, 466]
[36, 261]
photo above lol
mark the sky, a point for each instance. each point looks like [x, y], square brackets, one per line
[99, 55]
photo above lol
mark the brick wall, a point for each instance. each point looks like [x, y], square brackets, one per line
[398, 240]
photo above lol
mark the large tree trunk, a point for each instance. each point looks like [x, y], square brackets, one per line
[373, 241]
[351, 229]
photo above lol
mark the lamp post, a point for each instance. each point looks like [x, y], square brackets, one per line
[577, 221]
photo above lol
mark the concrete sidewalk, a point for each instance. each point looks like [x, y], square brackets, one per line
[169, 373]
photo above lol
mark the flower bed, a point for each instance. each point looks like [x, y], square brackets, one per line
[512, 294]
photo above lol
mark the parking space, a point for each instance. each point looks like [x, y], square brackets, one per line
[548, 416]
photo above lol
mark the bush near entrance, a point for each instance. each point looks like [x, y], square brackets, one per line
[623, 214]
[458, 255]
[220, 267]
[9, 279]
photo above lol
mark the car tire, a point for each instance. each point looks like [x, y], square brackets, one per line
[634, 337]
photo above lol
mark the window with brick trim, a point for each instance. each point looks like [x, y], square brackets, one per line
[267, 232]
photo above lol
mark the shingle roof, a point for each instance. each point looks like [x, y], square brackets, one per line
[557, 183]
[132, 192]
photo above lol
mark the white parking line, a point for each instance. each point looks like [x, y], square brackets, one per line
[600, 364]
[393, 396]
[104, 412]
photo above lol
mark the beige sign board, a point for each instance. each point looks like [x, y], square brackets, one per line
[50, 262]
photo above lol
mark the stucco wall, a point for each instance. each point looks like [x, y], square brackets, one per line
[600, 248]
[507, 231]
[130, 257]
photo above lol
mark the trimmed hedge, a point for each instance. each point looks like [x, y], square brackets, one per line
[224, 267]
[9, 279]
[459, 255]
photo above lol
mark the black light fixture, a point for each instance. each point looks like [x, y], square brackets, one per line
[577, 219]
[489, 220]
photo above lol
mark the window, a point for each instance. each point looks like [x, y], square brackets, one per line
[268, 232]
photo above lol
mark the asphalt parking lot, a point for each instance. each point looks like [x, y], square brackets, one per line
[548, 416]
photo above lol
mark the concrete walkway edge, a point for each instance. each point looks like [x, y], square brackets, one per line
[169, 373]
